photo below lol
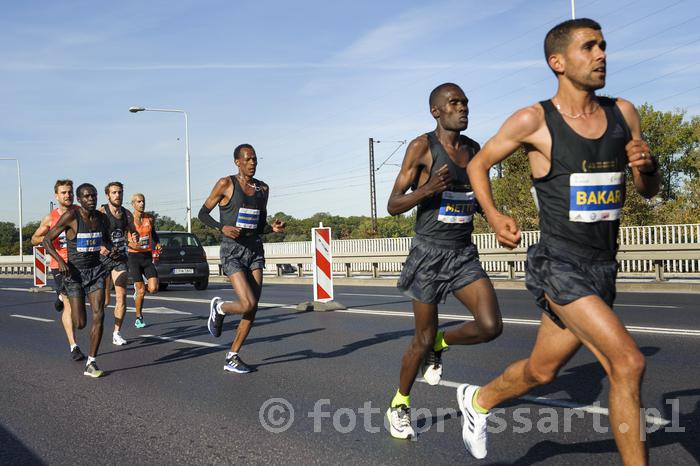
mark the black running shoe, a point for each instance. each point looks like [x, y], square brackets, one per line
[76, 354]
[91, 370]
[216, 321]
[58, 305]
[236, 364]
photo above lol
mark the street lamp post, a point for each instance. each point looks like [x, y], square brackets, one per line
[187, 156]
[19, 195]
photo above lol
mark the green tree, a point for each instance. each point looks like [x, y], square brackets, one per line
[674, 141]
[166, 223]
[511, 192]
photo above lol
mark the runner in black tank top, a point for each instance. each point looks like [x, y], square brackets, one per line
[121, 224]
[242, 202]
[87, 238]
[442, 258]
[580, 148]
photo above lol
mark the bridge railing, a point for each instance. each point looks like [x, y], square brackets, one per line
[662, 251]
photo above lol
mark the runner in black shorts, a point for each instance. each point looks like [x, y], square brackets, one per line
[443, 258]
[63, 191]
[581, 147]
[142, 244]
[242, 202]
[87, 238]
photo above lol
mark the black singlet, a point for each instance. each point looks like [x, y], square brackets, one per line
[581, 198]
[84, 249]
[448, 216]
[248, 212]
[117, 230]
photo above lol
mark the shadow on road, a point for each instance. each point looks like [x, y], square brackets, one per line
[13, 451]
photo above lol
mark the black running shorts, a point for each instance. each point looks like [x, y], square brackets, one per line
[567, 271]
[82, 281]
[431, 271]
[114, 264]
[140, 265]
[241, 257]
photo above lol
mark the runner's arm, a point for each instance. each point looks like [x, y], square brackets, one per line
[645, 170]
[40, 232]
[508, 139]
[413, 162]
[216, 195]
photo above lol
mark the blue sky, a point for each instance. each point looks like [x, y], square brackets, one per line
[307, 83]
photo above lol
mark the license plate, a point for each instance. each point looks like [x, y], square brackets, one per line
[180, 271]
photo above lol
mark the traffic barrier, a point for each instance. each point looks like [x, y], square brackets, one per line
[323, 273]
[40, 266]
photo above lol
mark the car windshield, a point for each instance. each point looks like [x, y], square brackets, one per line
[176, 240]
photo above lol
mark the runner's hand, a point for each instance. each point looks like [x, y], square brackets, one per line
[639, 155]
[439, 181]
[63, 268]
[231, 232]
[104, 251]
[507, 231]
[278, 226]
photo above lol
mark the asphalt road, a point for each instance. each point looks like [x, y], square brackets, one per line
[166, 400]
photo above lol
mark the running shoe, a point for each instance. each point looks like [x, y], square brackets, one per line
[76, 354]
[139, 323]
[117, 339]
[399, 419]
[432, 367]
[236, 364]
[91, 370]
[216, 320]
[474, 424]
[58, 305]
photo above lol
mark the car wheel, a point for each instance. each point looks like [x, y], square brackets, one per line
[162, 286]
[201, 284]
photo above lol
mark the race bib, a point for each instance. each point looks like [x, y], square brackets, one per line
[248, 218]
[144, 242]
[596, 197]
[119, 240]
[456, 207]
[62, 244]
[88, 242]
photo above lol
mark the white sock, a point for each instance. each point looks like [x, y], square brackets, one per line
[72, 347]
[218, 308]
[90, 359]
[230, 354]
[115, 333]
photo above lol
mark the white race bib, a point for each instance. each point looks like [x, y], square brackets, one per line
[88, 242]
[248, 218]
[595, 197]
[456, 207]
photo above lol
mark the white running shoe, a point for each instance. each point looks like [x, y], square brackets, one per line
[432, 367]
[474, 424]
[117, 339]
[400, 422]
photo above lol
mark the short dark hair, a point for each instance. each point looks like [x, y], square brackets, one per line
[113, 183]
[239, 148]
[559, 37]
[62, 183]
[438, 90]
[83, 187]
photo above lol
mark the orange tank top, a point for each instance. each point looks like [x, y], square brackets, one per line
[60, 242]
[145, 231]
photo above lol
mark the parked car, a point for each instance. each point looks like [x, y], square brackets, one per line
[182, 260]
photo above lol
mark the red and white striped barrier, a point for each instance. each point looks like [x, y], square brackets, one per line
[40, 266]
[322, 264]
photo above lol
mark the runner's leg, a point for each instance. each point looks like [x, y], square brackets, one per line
[480, 298]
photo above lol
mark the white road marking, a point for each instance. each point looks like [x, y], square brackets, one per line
[32, 318]
[655, 306]
[593, 409]
[373, 295]
[156, 310]
[532, 322]
[188, 342]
